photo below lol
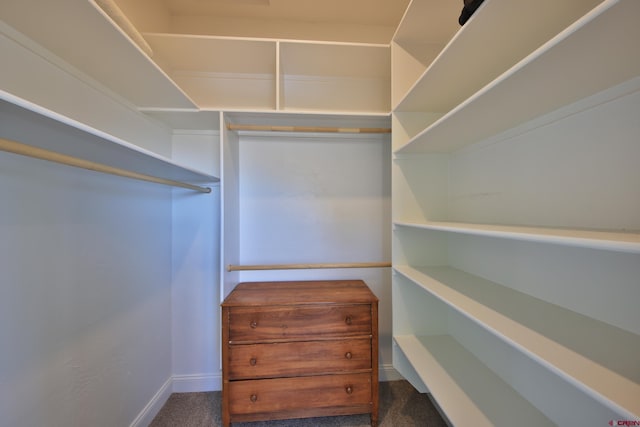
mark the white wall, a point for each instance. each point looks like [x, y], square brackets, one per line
[195, 291]
[318, 199]
[85, 295]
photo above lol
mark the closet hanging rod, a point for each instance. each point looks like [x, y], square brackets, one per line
[310, 129]
[51, 156]
[308, 266]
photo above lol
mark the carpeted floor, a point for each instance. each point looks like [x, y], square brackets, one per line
[400, 406]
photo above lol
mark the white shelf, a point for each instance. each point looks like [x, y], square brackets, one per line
[605, 240]
[73, 138]
[334, 77]
[465, 389]
[477, 54]
[93, 44]
[219, 72]
[567, 343]
[549, 78]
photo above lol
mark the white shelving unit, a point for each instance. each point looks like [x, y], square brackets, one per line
[452, 371]
[95, 47]
[337, 77]
[244, 74]
[220, 72]
[550, 339]
[542, 82]
[515, 242]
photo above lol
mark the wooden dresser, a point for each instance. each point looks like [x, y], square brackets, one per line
[299, 349]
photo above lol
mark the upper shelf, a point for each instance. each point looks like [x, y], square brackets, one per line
[497, 37]
[248, 74]
[549, 78]
[606, 240]
[33, 125]
[87, 39]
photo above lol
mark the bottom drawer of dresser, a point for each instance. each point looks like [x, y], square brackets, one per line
[302, 396]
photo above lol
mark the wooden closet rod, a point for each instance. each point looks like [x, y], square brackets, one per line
[52, 156]
[313, 129]
[308, 266]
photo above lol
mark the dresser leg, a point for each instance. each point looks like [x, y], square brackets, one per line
[374, 420]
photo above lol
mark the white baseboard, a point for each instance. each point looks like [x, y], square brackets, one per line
[197, 383]
[388, 373]
[211, 382]
[149, 412]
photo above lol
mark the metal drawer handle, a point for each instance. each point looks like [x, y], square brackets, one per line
[348, 320]
[253, 324]
[348, 355]
[253, 361]
[254, 397]
[349, 389]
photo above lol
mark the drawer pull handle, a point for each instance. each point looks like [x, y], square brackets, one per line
[254, 397]
[253, 324]
[348, 355]
[253, 361]
[349, 389]
[348, 320]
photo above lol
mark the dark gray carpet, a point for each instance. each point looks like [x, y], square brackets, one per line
[400, 406]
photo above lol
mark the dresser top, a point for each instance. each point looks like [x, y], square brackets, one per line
[300, 292]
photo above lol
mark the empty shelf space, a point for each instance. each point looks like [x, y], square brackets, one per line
[466, 64]
[337, 77]
[606, 240]
[466, 390]
[545, 80]
[573, 346]
[220, 72]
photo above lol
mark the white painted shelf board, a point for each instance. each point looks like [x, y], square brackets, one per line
[213, 54]
[575, 347]
[88, 40]
[545, 80]
[605, 240]
[466, 64]
[186, 119]
[99, 146]
[468, 392]
[335, 60]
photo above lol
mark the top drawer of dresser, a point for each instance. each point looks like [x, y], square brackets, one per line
[250, 324]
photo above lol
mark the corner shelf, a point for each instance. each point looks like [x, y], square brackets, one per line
[567, 343]
[468, 392]
[603, 240]
[517, 96]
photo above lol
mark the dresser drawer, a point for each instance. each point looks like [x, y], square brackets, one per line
[252, 324]
[287, 395]
[298, 358]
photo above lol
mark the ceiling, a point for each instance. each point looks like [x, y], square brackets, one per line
[360, 12]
